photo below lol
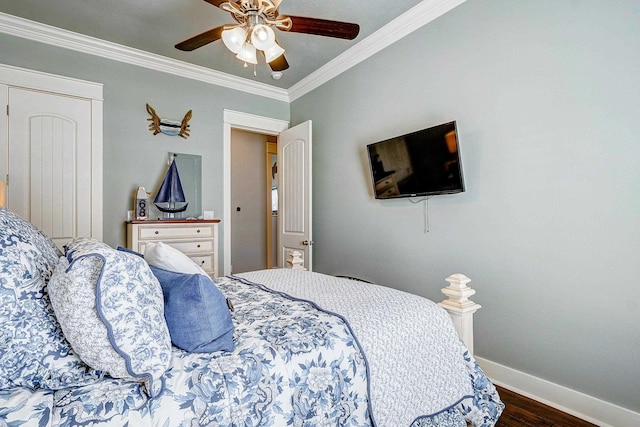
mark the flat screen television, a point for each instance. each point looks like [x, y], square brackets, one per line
[422, 163]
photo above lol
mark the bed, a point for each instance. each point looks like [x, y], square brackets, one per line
[102, 336]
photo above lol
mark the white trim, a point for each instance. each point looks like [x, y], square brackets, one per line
[252, 123]
[58, 37]
[4, 135]
[578, 404]
[418, 16]
[22, 77]
[97, 169]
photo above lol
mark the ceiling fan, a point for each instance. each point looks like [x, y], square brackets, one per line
[253, 31]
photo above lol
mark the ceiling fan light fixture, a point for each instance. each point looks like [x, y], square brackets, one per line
[262, 37]
[234, 38]
[255, 23]
[273, 52]
[247, 54]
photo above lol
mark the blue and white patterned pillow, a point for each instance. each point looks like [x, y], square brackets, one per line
[33, 350]
[123, 309]
[73, 296]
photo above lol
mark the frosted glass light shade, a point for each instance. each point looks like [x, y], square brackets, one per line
[273, 52]
[247, 54]
[234, 38]
[262, 37]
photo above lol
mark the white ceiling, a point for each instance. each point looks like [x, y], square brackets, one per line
[155, 26]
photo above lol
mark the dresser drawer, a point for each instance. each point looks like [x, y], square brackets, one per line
[384, 183]
[204, 261]
[187, 247]
[160, 232]
[392, 191]
[198, 239]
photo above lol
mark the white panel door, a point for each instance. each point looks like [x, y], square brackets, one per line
[50, 162]
[294, 193]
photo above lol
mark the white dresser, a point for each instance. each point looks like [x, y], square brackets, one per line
[198, 239]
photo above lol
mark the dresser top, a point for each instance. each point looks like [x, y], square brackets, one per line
[173, 221]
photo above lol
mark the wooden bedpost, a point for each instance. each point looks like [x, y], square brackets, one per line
[295, 261]
[460, 308]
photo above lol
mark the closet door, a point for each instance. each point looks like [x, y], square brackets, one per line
[50, 162]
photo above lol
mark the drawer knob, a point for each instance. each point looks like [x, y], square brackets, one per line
[157, 232]
[197, 231]
[198, 246]
[202, 262]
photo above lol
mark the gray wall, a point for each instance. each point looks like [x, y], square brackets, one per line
[133, 156]
[546, 94]
[547, 98]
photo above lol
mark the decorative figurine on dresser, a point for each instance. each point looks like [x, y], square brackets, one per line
[170, 198]
[198, 239]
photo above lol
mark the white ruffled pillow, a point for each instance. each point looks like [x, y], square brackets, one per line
[168, 258]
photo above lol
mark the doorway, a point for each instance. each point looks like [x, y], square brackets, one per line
[248, 122]
[253, 184]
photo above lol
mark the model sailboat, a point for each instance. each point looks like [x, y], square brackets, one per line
[170, 198]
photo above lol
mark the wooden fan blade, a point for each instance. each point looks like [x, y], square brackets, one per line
[216, 3]
[201, 39]
[323, 27]
[279, 64]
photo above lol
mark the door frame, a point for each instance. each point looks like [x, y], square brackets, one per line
[270, 151]
[248, 122]
[61, 85]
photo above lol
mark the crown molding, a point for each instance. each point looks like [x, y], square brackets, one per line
[43, 33]
[416, 17]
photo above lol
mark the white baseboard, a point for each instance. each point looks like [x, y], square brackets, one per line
[588, 408]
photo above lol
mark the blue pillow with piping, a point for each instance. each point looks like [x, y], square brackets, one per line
[196, 312]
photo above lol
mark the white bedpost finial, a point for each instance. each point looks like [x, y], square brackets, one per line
[295, 261]
[460, 307]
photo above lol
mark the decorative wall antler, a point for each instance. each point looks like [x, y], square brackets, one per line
[184, 127]
[169, 126]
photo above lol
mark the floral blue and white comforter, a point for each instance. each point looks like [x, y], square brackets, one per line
[421, 374]
[294, 365]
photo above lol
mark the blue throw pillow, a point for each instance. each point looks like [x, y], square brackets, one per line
[196, 312]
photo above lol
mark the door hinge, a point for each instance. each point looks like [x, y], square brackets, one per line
[7, 109]
[6, 180]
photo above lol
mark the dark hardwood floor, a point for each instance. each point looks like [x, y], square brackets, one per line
[521, 411]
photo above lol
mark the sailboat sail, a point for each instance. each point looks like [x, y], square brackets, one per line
[170, 197]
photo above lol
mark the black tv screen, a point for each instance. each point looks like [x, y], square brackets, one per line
[421, 163]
